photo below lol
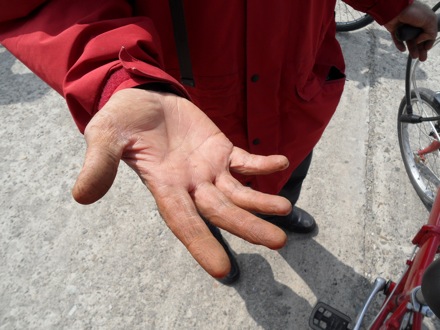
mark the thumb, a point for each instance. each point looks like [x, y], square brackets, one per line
[98, 171]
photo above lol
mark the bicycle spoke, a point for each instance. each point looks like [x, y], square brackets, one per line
[348, 19]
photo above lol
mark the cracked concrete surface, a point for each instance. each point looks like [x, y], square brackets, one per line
[115, 265]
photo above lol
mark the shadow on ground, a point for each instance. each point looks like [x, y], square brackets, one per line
[18, 87]
[274, 305]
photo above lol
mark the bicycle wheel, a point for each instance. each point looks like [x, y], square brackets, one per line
[415, 139]
[348, 19]
[422, 97]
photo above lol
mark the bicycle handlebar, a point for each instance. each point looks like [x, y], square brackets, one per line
[408, 32]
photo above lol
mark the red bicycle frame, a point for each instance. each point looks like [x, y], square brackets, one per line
[398, 301]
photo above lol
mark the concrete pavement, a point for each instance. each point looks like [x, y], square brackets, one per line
[115, 265]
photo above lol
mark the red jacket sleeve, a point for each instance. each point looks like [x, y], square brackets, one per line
[382, 11]
[85, 50]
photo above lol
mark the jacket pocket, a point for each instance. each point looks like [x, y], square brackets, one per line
[321, 76]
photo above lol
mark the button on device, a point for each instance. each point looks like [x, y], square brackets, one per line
[255, 78]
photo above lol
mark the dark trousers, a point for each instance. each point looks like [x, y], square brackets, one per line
[292, 188]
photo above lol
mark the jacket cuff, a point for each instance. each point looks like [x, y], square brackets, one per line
[137, 74]
[384, 11]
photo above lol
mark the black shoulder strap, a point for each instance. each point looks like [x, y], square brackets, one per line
[181, 38]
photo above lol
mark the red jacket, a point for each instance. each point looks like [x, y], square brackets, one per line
[261, 67]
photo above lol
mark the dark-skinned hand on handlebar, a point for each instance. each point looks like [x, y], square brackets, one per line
[417, 15]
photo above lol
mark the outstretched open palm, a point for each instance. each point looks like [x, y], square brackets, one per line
[185, 161]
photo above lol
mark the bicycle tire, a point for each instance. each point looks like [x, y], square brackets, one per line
[348, 19]
[424, 175]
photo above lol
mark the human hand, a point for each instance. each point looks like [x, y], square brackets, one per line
[417, 15]
[185, 162]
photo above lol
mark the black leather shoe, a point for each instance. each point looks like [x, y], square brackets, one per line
[298, 221]
[234, 273]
